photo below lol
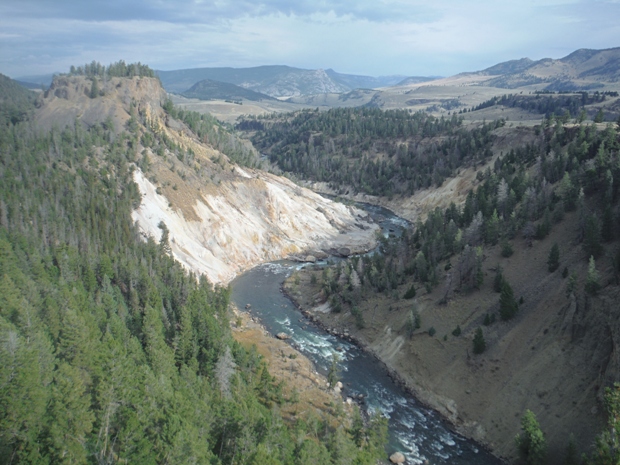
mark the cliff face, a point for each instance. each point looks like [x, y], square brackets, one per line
[222, 219]
[69, 99]
[252, 218]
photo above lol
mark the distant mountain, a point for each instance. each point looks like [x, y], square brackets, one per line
[512, 66]
[583, 69]
[276, 81]
[36, 80]
[353, 81]
[29, 85]
[208, 89]
[416, 80]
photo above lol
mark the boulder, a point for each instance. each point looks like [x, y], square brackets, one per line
[397, 457]
[344, 251]
[339, 385]
[283, 336]
[248, 306]
[310, 258]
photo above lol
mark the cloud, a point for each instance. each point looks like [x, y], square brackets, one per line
[365, 37]
[209, 11]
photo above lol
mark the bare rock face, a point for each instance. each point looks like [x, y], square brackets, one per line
[253, 218]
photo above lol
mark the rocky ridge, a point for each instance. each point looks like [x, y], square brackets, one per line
[222, 219]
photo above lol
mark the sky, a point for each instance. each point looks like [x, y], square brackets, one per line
[368, 37]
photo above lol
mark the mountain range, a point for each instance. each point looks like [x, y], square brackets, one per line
[276, 81]
[584, 69]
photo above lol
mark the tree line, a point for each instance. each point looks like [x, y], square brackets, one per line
[116, 69]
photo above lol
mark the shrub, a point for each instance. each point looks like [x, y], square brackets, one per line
[410, 294]
[457, 331]
[431, 331]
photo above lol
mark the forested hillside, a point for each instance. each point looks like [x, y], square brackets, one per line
[15, 101]
[112, 352]
[476, 305]
[527, 193]
[369, 150]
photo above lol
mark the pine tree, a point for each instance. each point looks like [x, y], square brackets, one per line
[94, 89]
[592, 238]
[164, 241]
[553, 262]
[607, 228]
[499, 279]
[333, 373]
[608, 442]
[592, 284]
[531, 443]
[571, 286]
[480, 344]
[508, 306]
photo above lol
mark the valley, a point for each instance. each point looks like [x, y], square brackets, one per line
[129, 212]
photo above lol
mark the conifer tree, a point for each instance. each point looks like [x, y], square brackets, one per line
[553, 262]
[94, 88]
[480, 344]
[592, 284]
[592, 237]
[499, 279]
[531, 442]
[508, 306]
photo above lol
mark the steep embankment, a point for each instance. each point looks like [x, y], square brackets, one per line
[222, 219]
[254, 218]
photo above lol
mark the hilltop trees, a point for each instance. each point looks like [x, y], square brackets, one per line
[117, 69]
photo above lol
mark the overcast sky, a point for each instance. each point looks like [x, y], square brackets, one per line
[372, 37]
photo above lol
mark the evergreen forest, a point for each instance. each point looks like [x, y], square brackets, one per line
[368, 150]
[111, 351]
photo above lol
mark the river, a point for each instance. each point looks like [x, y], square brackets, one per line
[418, 432]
